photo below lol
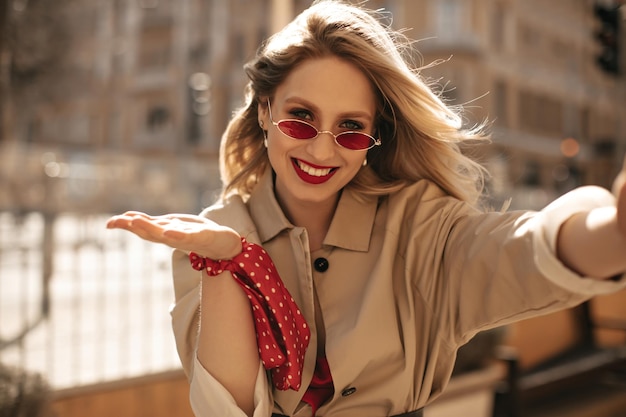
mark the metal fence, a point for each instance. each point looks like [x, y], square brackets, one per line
[81, 304]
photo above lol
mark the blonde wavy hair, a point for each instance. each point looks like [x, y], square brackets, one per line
[421, 136]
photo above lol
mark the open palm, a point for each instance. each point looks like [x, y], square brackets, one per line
[186, 232]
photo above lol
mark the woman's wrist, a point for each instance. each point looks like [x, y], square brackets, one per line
[232, 244]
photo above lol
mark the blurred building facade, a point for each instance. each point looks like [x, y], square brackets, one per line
[528, 66]
[138, 122]
[139, 126]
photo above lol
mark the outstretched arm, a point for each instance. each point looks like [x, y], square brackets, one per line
[594, 243]
[227, 346]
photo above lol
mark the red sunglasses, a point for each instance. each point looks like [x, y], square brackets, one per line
[301, 130]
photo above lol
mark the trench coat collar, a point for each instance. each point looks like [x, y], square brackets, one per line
[350, 228]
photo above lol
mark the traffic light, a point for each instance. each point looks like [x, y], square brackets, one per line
[608, 36]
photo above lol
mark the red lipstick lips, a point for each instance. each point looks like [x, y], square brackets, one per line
[312, 179]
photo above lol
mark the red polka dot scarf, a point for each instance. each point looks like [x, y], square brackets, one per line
[281, 331]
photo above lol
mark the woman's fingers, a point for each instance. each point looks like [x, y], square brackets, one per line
[181, 231]
[122, 221]
[145, 226]
[621, 208]
[619, 190]
[126, 220]
[620, 180]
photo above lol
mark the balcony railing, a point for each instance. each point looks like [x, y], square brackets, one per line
[81, 304]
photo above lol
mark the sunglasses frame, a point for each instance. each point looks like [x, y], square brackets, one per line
[373, 140]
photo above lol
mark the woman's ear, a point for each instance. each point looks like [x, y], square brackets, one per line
[262, 111]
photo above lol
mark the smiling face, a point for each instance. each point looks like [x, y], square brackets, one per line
[334, 96]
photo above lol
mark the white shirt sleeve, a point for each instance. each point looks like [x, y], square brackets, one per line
[209, 398]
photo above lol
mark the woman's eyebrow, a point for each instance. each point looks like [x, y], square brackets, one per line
[343, 115]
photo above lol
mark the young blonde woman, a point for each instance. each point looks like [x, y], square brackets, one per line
[347, 261]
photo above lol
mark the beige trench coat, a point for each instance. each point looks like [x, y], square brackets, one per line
[409, 279]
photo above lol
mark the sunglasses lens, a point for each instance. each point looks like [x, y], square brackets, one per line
[296, 129]
[354, 140]
[301, 130]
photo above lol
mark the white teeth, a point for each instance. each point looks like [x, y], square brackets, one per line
[316, 172]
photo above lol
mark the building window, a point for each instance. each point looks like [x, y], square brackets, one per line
[116, 130]
[530, 39]
[498, 32]
[156, 131]
[450, 19]
[71, 128]
[532, 174]
[149, 4]
[155, 47]
[158, 119]
[500, 103]
[541, 114]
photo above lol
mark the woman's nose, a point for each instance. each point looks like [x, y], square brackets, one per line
[323, 147]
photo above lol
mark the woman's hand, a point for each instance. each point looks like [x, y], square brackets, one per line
[593, 243]
[186, 232]
[619, 190]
